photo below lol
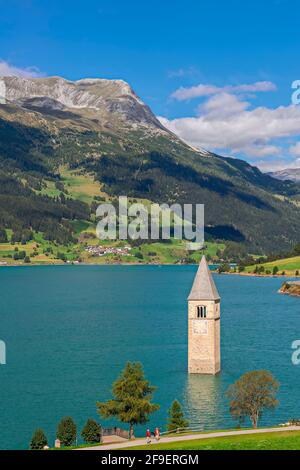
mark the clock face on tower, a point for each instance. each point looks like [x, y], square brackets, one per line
[200, 327]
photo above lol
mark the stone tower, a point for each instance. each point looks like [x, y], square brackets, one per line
[204, 324]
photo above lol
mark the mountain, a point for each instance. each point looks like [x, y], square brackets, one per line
[290, 174]
[102, 98]
[102, 129]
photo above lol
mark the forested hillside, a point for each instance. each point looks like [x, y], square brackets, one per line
[122, 148]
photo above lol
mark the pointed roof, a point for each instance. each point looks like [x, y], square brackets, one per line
[204, 287]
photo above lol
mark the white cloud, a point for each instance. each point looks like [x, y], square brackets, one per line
[201, 90]
[295, 150]
[277, 165]
[222, 105]
[239, 130]
[262, 151]
[227, 125]
[7, 69]
[194, 92]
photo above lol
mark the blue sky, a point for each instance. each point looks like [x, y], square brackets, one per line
[214, 48]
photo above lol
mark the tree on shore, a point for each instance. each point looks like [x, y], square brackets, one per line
[132, 398]
[275, 270]
[224, 268]
[250, 395]
[176, 417]
[91, 432]
[66, 431]
[39, 440]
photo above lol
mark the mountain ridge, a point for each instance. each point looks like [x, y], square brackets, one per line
[127, 150]
[289, 174]
[101, 95]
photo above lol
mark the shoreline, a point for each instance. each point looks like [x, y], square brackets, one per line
[244, 274]
[32, 265]
[277, 276]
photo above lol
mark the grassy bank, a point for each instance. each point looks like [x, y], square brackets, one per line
[287, 265]
[286, 440]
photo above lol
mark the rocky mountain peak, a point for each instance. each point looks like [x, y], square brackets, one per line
[100, 95]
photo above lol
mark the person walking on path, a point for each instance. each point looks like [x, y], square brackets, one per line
[148, 436]
[157, 434]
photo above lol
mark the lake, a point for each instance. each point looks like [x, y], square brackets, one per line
[69, 331]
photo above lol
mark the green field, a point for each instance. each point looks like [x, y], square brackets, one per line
[288, 440]
[289, 265]
[42, 251]
[80, 186]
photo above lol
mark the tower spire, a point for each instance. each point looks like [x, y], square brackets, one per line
[204, 287]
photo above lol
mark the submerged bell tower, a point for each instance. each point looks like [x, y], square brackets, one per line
[204, 350]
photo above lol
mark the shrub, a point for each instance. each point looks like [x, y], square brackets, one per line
[224, 268]
[176, 417]
[91, 433]
[275, 271]
[61, 256]
[152, 253]
[66, 431]
[19, 255]
[39, 440]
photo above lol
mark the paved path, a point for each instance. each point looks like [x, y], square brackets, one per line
[113, 439]
[190, 437]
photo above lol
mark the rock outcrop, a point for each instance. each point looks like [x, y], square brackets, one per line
[291, 288]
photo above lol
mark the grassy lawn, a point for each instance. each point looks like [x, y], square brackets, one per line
[289, 265]
[80, 446]
[288, 440]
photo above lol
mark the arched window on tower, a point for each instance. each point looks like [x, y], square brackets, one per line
[201, 311]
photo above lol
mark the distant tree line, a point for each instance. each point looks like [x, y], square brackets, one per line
[277, 256]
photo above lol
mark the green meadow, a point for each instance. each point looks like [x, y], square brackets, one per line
[288, 265]
[266, 441]
[41, 251]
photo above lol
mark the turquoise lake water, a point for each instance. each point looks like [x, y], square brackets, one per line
[69, 331]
